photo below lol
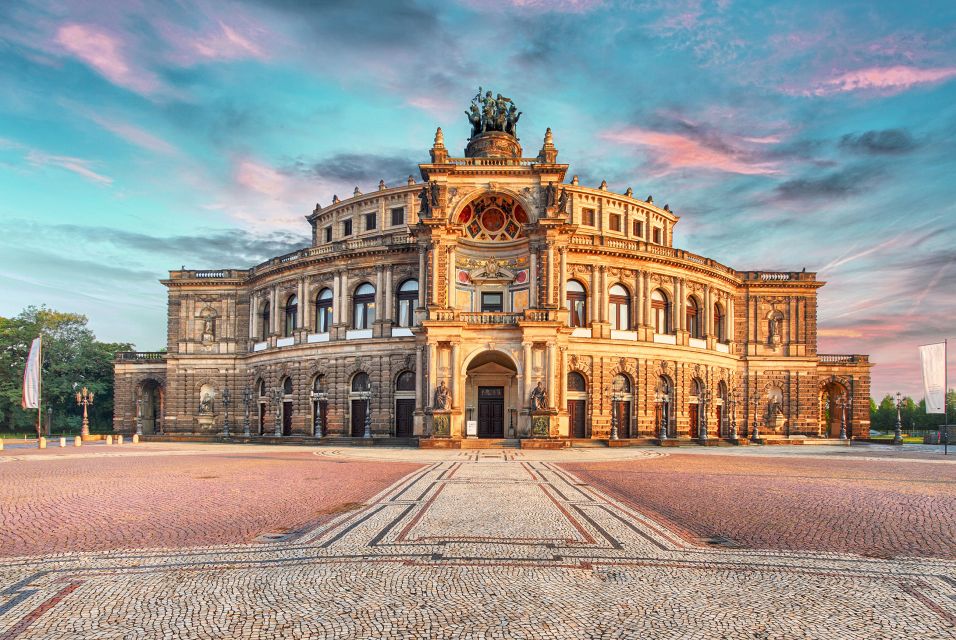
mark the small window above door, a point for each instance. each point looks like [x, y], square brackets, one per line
[492, 302]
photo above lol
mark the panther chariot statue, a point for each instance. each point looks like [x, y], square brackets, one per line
[494, 121]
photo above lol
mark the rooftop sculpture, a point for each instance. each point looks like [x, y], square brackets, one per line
[488, 113]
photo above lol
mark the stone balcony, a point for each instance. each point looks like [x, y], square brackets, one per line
[141, 356]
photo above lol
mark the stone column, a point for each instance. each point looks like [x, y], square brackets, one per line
[563, 275]
[344, 312]
[526, 373]
[647, 298]
[422, 275]
[389, 295]
[638, 300]
[436, 279]
[418, 377]
[534, 278]
[302, 307]
[450, 276]
[274, 320]
[602, 293]
[549, 278]
[379, 291]
[562, 403]
[432, 371]
[253, 316]
[675, 306]
[593, 298]
[708, 308]
[550, 371]
[454, 387]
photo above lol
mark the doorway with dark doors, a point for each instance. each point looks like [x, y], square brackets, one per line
[491, 412]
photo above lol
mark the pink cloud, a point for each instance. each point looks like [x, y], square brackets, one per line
[134, 134]
[78, 166]
[260, 178]
[882, 79]
[104, 52]
[538, 6]
[675, 151]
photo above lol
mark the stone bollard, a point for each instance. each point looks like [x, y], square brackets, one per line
[135, 438]
[62, 441]
[77, 441]
[1, 444]
[119, 439]
[42, 442]
[109, 439]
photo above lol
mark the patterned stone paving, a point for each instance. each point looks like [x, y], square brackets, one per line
[478, 545]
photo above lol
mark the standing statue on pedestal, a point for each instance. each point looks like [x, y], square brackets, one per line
[489, 113]
[550, 195]
[425, 211]
[539, 398]
[442, 396]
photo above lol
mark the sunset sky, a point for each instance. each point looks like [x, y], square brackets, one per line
[138, 136]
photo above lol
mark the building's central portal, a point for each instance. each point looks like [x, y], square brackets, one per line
[491, 412]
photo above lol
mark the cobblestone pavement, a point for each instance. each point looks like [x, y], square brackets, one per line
[100, 498]
[881, 508]
[478, 545]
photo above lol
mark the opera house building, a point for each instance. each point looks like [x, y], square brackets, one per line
[493, 298]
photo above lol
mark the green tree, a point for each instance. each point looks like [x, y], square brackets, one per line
[883, 417]
[72, 359]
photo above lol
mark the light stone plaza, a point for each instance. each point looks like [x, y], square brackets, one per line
[485, 543]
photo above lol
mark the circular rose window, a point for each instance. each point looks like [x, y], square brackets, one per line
[493, 219]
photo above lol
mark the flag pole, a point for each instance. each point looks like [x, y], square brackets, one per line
[945, 395]
[39, 387]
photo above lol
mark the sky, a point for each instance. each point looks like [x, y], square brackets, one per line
[136, 137]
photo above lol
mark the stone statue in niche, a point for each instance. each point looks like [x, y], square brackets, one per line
[208, 328]
[442, 396]
[550, 195]
[206, 396]
[539, 398]
[425, 211]
[775, 328]
[563, 201]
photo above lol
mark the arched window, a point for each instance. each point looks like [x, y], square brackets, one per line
[576, 382]
[261, 388]
[577, 304]
[291, 314]
[660, 311]
[265, 320]
[405, 381]
[621, 390]
[287, 386]
[407, 298]
[318, 385]
[363, 306]
[693, 318]
[323, 311]
[720, 323]
[360, 382]
[621, 384]
[620, 308]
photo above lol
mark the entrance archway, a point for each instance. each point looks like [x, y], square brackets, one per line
[491, 394]
[830, 411]
[150, 410]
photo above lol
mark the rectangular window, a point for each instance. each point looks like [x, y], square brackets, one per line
[491, 302]
[615, 221]
[328, 234]
[657, 236]
[371, 221]
[346, 227]
[398, 216]
[587, 217]
[637, 229]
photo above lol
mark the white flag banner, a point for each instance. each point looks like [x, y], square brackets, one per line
[31, 378]
[933, 360]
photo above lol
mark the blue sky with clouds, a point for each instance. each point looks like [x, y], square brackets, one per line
[139, 136]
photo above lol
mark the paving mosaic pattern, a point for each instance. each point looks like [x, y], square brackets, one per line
[879, 507]
[409, 564]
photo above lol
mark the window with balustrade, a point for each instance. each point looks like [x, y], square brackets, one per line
[660, 312]
[407, 300]
[720, 323]
[323, 311]
[265, 320]
[577, 304]
[619, 305]
[693, 317]
[363, 307]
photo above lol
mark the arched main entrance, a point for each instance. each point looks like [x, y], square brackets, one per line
[832, 393]
[491, 394]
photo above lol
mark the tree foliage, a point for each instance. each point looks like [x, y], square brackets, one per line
[913, 414]
[72, 358]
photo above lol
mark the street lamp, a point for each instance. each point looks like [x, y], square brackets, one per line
[140, 410]
[734, 399]
[84, 398]
[898, 431]
[246, 407]
[368, 411]
[662, 398]
[841, 401]
[277, 396]
[755, 400]
[513, 413]
[616, 398]
[703, 398]
[318, 397]
[226, 401]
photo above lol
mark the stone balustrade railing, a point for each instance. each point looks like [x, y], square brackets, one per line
[137, 356]
[841, 358]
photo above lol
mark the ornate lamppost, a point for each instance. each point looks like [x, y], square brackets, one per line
[140, 410]
[513, 413]
[616, 397]
[704, 399]
[226, 401]
[84, 398]
[898, 429]
[755, 400]
[662, 398]
[841, 401]
[734, 399]
[246, 407]
[368, 411]
[277, 396]
[318, 397]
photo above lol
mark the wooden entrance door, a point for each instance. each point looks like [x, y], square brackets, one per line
[623, 412]
[721, 427]
[262, 419]
[404, 417]
[491, 412]
[694, 421]
[358, 418]
[576, 413]
[287, 418]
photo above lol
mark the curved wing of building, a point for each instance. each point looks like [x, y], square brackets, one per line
[495, 299]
